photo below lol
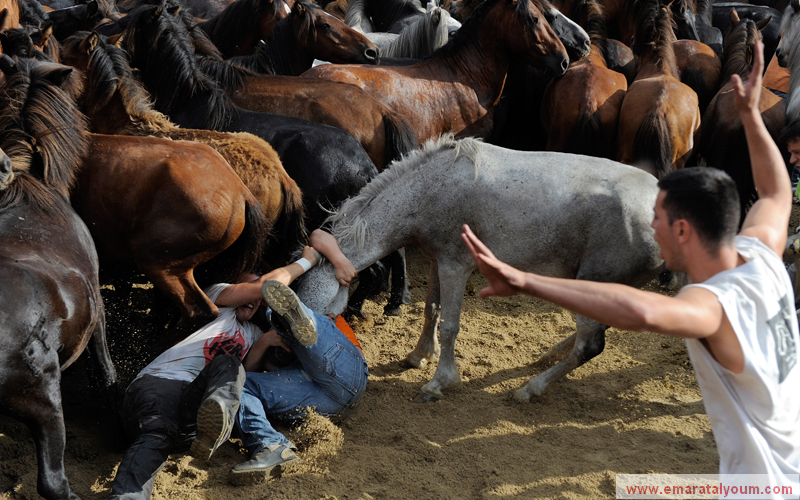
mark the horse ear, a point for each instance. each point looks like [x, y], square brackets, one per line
[116, 40]
[734, 17]
[7, 65]
[764, 22]
[299, 9]
[45, 33]
[92, 8]
[3, 17]
[174, 10]
[90, 42]
[58, 75]
[157, 13]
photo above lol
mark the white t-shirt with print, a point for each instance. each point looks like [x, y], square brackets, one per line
[225, 335]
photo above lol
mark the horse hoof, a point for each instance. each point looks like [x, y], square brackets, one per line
[352, 313]
[392, 310]
[414, 362]
[520, 397]
[424, 397]
[406, 297]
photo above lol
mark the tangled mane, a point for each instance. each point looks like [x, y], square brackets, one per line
[276, 55]
[43, 133]
[242, 16]
[655, 35]
[471, 26]
[108, 72]
[391, 10]
[421, 37]
[162, 49]
[356, 17]
[346, 223]
[739, 49]
[705, 10]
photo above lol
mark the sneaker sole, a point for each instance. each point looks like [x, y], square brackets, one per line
[259, 476]
[281, 299]
[210, 427]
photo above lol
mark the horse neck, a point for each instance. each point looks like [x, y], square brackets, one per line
[478, 60]
[203, 111]
[111, 119]
[283, 51]
[736, 64]
[652, 65]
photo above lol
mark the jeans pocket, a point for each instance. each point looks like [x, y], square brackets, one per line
[346, 367]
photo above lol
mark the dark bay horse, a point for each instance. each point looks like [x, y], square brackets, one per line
[456, 87]
[51, 305]
[236, 30]
[660, 115]
[308, 33]
[580, 110]
[327, 163]
[699, 68]
[722, 141]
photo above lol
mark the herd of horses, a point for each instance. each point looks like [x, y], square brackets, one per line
[191, 141]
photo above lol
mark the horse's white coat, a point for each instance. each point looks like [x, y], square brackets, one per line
[555, 214]
[790, 52]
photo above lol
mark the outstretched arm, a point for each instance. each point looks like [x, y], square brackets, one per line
[693, 313]
[769, 216]
[327, 245]
[245, 293]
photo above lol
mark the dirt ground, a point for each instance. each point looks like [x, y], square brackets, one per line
[636, 408]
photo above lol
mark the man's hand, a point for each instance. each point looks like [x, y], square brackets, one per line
[747, 95]
[311, 255]
[504, 280]
[345, 271]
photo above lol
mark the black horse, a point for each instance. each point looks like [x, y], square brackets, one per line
[50, 304]
[327, 163]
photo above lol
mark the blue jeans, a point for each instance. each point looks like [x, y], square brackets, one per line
[329, 376]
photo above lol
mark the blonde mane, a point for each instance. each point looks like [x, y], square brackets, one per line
[347, 223]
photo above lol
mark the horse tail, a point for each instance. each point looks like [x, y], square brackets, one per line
[693, 79]
[289, 232]
[586, 137]
[400, 137]
[652, 146]
[243, 255]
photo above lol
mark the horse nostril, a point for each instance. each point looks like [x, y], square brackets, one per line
[564, 65]
[371, 54]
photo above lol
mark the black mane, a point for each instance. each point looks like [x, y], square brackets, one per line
[239, 17]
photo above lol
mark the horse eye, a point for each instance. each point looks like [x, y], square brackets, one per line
[325, 27]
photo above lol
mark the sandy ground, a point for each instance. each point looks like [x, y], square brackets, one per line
[636, 408]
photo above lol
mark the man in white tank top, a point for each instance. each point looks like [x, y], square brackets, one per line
[739, 320]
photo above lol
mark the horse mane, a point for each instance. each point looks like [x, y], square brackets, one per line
[27, 189]
[109, 73]
[470, 28]
[337, 8]
[655, 35]
[421, 37]
[239, 17]
[356, 17]
[790, 48]
[347, 223]
[738, 47]
[161, 48]
[595, 23]
[704, 10]
[277, 53]
[391, 9]
[43, 133]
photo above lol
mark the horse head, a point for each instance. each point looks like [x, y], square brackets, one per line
[329, 39]
[522, 28]
[685, 16]
[571, 34]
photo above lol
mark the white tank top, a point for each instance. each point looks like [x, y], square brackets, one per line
[755, 415]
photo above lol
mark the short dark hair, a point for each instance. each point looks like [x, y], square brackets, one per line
[708, 199]
[790, 132]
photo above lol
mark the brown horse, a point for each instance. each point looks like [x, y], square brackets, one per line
[237, 29]
[699, 68]
[51, 305]
[659, 115]
[308, 33]
[117, 104]
[456, 87]
[580, 110]
[722, 141]
[12, 13]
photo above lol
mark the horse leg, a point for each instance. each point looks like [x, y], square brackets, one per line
[196, 308]
[590, 340]
[453, 281]
[396, 261]
[556, 353]
[42, 413]
[428, 348]
[369, 285]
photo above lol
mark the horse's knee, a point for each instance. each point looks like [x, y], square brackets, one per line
[590, 348]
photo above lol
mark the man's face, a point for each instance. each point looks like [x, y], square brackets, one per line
[794, 149]
[246, 311]
[665, 236]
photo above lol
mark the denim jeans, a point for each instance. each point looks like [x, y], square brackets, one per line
[329, 376]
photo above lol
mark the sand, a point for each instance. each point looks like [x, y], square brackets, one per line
[636, 408]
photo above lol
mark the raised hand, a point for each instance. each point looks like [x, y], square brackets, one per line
[746, 95]
[504, 280]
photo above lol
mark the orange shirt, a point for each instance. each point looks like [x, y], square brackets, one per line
[342, 325]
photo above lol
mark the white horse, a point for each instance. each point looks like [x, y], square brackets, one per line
[789, 56]
[419, 38]
[551, 213]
